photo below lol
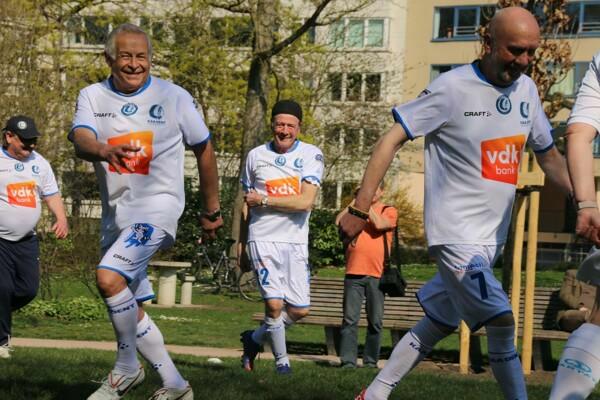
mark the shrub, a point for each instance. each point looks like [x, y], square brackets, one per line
[74, 309]
[325, 247]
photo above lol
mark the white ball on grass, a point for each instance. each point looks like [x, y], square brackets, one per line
[214, 361]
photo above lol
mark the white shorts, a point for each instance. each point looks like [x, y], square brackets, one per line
[589, 270]
[282, 270]
[464, 287]
[130, 253]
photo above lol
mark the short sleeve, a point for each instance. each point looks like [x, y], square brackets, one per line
[49, 185]
[84, 115]
[540, 140]
[587, 104]
[314, 165]
[427, 113]
[391, 214]
[190, 121]
[247, 180]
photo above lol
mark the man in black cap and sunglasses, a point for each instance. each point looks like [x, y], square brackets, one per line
[25, 179]
[281, 180]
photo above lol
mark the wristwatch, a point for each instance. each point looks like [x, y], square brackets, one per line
[264, 201]
[213, 216]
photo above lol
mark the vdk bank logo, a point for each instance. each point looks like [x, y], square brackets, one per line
[500, 158]
[503, 104]
[157, 111]
[139, 161]
[283, 187]
[129, 109]
[21, 194]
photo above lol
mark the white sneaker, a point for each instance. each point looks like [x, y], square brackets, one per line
[5, 350]
[173, 394]
[116, 385]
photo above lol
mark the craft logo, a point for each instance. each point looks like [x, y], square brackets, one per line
[282, 187]
[503, 104]
[129, 109]
[22, 194]
[500, 158]
[140, 161]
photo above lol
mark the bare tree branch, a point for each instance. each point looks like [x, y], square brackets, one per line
[237, 6]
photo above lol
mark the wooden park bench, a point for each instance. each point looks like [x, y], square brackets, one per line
[402, 313]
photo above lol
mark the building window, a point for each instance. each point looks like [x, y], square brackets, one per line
[355, 86]
[232, 31]
[460, 22]
[88, 30]
[357, 33]
[569, 85]
[349, 141]
[437, 70]
[585, 17]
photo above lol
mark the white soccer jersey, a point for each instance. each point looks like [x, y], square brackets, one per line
[587, 105]
[278, 175]
[159, 118]
[475, 133]
[22, 185]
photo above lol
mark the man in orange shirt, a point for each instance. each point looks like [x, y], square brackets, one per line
[364, 266]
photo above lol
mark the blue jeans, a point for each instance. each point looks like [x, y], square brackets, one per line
[356, 289]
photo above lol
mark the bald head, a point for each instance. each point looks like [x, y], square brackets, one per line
[513, 21]
[509, 46]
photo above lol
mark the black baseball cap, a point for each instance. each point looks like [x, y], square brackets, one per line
[287, 107]
[22, 126]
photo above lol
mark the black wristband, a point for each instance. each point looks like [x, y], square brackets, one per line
[212, 217]
[358, 213]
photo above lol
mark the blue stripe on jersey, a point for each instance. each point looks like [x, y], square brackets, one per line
[399, 120]
[144, 298]
[298, 305]
[545, 149]
[201, 143]
[70, 135]
[140, 90]
[476, 327]
[50, 194]
[480, 75]
[123, 274]
[311, 177]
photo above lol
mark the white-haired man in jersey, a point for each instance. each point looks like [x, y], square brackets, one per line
[579, 366]
[476, 120]
[133, 127]
[281, 179]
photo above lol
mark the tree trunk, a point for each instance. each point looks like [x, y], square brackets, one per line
[265, 23]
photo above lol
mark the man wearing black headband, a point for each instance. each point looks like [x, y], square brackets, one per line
[281, 180]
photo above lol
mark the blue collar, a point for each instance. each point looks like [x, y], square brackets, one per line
[480, 75]
[112, 87]
[271, 147]
[16, 159]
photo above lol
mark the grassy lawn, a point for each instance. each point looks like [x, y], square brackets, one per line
[68, 374]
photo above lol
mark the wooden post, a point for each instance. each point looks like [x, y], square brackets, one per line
[532, 233]
[515, 288]
[465, 334]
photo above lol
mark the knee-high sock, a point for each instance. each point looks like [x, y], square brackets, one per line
[410, 350]
[505, 362]
[259, 334]
[122, 310]
[276, 331]
[151, 345]
[579, 366]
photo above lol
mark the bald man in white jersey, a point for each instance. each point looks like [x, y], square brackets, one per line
[133, 127]
[476, 120]
[579, 366]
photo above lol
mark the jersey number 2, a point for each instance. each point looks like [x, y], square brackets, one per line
[264, 274]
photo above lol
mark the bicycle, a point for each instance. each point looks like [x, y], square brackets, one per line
[222, 274]
[248, 286]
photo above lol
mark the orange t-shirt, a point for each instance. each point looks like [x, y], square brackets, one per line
[366, 257]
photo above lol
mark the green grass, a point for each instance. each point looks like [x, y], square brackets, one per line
[67, 375]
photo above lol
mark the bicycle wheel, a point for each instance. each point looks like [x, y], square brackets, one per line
[248, 286]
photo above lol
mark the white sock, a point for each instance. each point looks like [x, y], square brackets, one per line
[122, 310]
[259, 334]
[505, 361]
[579, 366]
[287, 320]
[276, 330]
[151, 345]
[410, 350]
